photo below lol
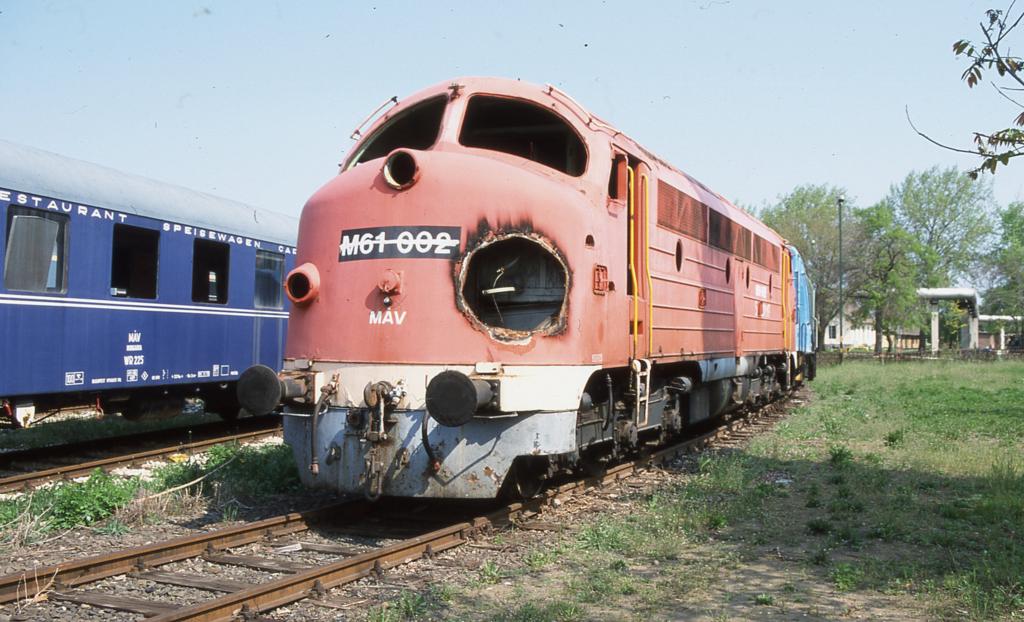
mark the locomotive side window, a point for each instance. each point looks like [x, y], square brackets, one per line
[210, 271]
[269, 279]
[133, 262]
[416, 128]
[37, 246]
[525, 130]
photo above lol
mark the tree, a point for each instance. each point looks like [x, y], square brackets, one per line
[948, 215]
[985, 55]
[807, 217]
[886, 287]
[1006, 297]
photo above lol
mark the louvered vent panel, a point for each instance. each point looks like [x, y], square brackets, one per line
[721, 231]
[742, 247]
[766, 254]
[681, 213]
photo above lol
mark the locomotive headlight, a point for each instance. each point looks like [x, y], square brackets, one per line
[400, 170]
[303, 284]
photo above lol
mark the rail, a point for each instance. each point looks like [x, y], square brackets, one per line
[301, 583]
[258, 428]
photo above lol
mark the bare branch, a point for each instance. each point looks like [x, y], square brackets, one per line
[1001, 90]
[935, 142]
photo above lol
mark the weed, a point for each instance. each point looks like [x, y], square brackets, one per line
[764, 599]
[840, 456]
[819, 526]
[489, 572]
[537, 559]
[605, 535]
[895, 438]
[559, 611]
[232, 470]
[845, 576]
[715, 520]
[820, 557]
[113, 527]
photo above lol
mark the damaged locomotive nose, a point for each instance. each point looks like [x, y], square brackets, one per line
[261, 390]
[516, 285]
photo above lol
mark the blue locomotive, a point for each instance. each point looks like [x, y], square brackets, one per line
[131, 295]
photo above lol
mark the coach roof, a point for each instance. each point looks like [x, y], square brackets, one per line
[30, 170]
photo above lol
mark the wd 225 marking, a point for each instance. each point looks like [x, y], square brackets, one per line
[423, 242]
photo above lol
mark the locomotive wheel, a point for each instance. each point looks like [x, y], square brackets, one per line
[524, 480]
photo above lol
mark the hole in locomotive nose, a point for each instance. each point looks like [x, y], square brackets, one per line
[515, 284]
[298, 285]
[400, 170]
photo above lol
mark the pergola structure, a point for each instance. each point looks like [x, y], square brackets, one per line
[966, 295]
[1002, 329]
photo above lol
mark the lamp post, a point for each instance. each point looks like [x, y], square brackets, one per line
[839, 202]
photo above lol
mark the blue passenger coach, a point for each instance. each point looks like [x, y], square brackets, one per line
[131, 295]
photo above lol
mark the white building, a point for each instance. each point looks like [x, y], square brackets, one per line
[861, 335]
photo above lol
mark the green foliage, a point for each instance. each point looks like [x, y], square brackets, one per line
[947, 216]
[558, 611]
[235, 471]
[883, 276]
[1007, 263]
[808, 218]
[72, 504]
[846, 577]
[410, 606]
[490, 573]
[895, 438]
[764, 599]
[840, 456]
[992, 53]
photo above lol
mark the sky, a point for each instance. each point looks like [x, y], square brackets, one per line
[255, 101]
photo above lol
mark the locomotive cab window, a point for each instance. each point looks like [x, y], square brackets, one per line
[36, 256]
[133, 262]
[415, 128]
[269, 279]
[210, 271]
[525, 130]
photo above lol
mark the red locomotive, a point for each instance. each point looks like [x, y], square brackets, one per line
[499, 285]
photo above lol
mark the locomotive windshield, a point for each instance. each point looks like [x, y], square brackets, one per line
[416, 128]
[525, 130]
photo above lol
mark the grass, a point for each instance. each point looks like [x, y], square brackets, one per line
[231, 472]
[906, 479]
[86, 429]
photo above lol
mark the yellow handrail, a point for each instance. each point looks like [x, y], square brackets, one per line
[647, 265]
[785, 300]
[632, 257]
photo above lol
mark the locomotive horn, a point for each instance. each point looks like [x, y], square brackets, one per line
[453, 397]
[260, 390]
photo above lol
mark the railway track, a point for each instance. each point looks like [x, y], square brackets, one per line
[184, 440]
[278, 550]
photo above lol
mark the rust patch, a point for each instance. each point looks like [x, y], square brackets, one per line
[485, 236]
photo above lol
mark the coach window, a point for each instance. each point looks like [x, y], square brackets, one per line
[415, 128]
[210, 271]
[133, 262]
[523, 129]
[37, 247]
[269, 280]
